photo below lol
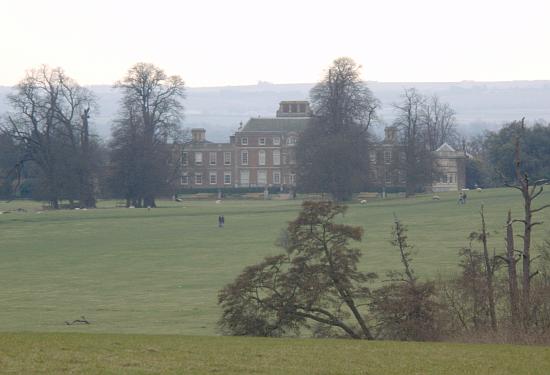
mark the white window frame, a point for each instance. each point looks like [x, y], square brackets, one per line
[261, 141]
[276, 181]
[212, 157]
[198, 178]
[184, 180]
[215, 175]
[276, 141]
[198, 158]
[387, 156]
[262, 172]
[292, 178]
[244, 160]
[261, 157]
[184, 158]
[246, 173]
[227, 158]
[276, 157]
[244, 141]
[225, 175]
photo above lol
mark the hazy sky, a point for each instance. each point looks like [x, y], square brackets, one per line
[230, 42]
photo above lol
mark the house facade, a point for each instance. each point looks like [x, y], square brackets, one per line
[262, 153]
[451, 165]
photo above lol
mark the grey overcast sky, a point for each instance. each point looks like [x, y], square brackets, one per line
[231, 42]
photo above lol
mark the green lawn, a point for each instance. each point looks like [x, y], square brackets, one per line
[142, 354]
[158, 271]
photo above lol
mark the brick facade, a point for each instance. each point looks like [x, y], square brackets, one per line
[262, 153]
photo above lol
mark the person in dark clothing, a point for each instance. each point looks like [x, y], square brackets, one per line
[220, 222]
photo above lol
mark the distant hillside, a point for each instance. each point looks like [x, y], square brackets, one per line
[479, 105]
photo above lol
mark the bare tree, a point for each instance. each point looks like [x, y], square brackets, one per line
[489, 263]
[149, 124]
[332, 151]
[87, 198]
[405, 308]
[399, 240]
[46, 121]
[511, 262]
[418, 164]
[530, 190]
[10, 175]
[342, 99]
[439, 122]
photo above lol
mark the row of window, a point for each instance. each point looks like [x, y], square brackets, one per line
[212, 158]
[276, 141]
[448, 178]
[388, 155]
[245, 178]
[389, 176]
[262, 157]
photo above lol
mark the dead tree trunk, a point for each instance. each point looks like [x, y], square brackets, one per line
[529, 191]
[86, 198]
[512, 272]
[489, 272]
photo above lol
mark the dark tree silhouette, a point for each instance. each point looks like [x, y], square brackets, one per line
[315, 282]
[149, 125]
[332, 151]
[49, 122]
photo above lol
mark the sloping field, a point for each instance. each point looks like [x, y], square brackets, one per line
[144, 354]
[158, 271]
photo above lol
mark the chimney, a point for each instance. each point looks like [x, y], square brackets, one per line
[198, 134]
[390, 134]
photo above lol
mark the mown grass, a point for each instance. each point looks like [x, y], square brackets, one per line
[145, 354]
[158, 271]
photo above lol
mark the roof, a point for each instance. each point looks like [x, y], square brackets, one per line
[278, 124]
[445, 147]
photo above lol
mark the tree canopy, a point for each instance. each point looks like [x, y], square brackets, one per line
[332, 151]
[315, 284]
[144, 162]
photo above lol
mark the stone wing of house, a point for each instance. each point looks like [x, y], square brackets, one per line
[451, 169]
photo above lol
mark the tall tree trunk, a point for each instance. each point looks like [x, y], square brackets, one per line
[512, 272]
[87, 199]
[489, 272]
[523, 181]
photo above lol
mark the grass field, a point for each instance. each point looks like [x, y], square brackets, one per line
[158, 271]
[146, 354]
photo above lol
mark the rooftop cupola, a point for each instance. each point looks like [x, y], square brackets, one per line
[294, 108]
[198, 134]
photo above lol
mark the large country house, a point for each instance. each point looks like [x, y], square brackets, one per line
[262, 154]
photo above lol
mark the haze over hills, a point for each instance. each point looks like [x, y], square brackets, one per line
[479, 105]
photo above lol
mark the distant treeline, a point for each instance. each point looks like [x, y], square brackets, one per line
[51, 150]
